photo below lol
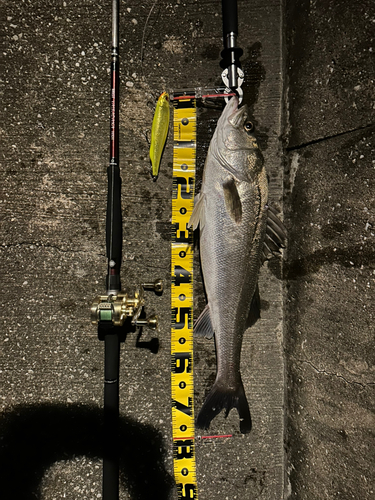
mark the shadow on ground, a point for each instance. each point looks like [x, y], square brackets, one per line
[34, 437]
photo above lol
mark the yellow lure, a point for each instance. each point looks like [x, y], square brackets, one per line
[159, 132]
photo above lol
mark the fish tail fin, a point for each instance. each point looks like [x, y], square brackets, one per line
[220, 398]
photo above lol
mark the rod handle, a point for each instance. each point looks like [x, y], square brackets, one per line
[114, 228]
[230, 17]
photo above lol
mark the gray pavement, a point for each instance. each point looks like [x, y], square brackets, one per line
[307, 364]
[330, 268]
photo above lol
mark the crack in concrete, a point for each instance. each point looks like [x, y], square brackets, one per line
[328, 137]
[350, 382]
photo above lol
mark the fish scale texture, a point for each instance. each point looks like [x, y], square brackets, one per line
[231, 264]
[233, 226]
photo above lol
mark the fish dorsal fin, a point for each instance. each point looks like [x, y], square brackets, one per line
[275, 234]
[232, 200]
[198, 215]
[203, 325]
[254, 313]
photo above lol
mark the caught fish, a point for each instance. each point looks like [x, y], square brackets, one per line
[159, 132]
[238, 230]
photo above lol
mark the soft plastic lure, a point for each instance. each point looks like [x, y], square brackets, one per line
[159, 132]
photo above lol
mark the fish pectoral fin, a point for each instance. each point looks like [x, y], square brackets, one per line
[232, 200]
[254, 313]
[275, 234]
[198, 215]
[203, 325]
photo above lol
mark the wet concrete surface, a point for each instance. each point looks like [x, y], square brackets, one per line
[330, 265]
[53, 198]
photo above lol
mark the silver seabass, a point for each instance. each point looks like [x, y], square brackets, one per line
[235, 235]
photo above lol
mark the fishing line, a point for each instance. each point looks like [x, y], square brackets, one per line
[203, 96]
[144, 34]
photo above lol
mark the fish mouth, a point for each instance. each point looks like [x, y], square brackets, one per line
[236, 115]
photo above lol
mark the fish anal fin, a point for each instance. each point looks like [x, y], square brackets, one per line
[232, 200]
[254, 313]
[203, 325]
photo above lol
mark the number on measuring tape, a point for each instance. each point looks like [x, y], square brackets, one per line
[184, 154]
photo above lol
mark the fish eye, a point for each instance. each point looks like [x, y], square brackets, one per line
[248, 126]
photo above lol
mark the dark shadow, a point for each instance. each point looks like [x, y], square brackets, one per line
[354, 256]
[255, 74]
[152, 344]
[34, 437]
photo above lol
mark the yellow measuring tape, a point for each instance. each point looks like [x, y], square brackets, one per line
[184, 154]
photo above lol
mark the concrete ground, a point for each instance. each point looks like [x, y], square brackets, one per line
[53, 248]
[308, 364]
[330, 265]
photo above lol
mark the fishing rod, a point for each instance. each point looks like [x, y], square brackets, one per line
[232, 75]
[115, 311]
